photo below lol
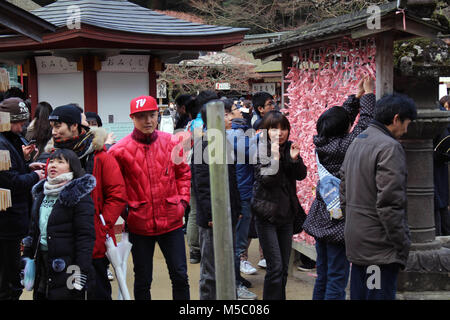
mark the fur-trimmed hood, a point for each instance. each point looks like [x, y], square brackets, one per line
[72, 193]
[100, 136]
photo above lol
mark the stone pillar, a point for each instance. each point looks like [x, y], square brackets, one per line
[428, 266]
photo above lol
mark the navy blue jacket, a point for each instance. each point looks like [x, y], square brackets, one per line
[19, 180]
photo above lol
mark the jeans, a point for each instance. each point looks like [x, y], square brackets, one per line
[242, 228]
[207, 282]
[10, 287]
[192, 227]
[383, 286]
[442, 221]
[102, 289]
[173, 248]
[276, 243]
[333, 270]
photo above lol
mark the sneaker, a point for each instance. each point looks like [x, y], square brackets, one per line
[244, 294]
[306, 268]
[262, 263]
[110, 275]
[194, 257]
[245, 282]
[247, 268]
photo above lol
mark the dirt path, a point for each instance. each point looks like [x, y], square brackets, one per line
[299, 286]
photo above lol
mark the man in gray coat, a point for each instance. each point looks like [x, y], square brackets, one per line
[373, 200]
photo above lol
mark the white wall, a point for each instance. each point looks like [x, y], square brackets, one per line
[116, 90]
[61, 89]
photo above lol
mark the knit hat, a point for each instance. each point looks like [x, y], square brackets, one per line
[69, 114]
[17, 108]
[143, 103]
[93, 116]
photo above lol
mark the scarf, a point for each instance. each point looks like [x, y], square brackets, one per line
[81, 145]
[144, 138]
[53, 186]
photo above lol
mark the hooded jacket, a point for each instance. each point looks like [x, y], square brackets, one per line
[373, 199]
[109, 195]
[155, 184]
[70, 235]
[331, 152]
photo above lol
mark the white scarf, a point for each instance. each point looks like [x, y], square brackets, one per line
[53, 186]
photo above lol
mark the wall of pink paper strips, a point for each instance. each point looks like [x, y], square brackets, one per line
[318, 78]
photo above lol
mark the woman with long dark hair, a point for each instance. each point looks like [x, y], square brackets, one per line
[39, 129]
[275, 203]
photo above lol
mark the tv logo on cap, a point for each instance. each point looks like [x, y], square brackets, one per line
[140, 103]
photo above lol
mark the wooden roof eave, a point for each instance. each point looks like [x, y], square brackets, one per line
[22, 22]
[415, 27]
[97, 37]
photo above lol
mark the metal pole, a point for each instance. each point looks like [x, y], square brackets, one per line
[220, 203]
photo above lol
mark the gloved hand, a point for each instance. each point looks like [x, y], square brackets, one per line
[80, 281]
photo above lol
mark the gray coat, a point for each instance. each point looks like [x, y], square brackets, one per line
[373, 199]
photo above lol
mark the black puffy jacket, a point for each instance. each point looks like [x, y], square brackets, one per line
[19, 180]
[70, 235]
[275, 195]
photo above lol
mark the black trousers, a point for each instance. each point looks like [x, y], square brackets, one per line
[10, 286]
[102, 288]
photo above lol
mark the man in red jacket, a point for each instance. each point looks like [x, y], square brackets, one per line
[158, 192]
[109, 193]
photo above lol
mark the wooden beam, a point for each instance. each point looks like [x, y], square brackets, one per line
[384, 59]
[415, 28]
[31, 70]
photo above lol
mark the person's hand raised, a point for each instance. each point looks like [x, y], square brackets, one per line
[369, 85]
[295, 151]
[360, 89]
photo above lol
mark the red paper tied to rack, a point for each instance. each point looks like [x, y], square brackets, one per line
[320, 78]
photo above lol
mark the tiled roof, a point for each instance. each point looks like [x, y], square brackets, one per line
[126, 16]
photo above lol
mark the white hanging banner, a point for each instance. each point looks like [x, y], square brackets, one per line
[161, 90]
[126, 63]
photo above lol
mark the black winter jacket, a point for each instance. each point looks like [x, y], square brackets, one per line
[70, 235]
[331, 152]
[202, 188]
[275, 195]
[19, 180]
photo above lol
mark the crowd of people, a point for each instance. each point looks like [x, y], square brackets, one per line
[70, 181]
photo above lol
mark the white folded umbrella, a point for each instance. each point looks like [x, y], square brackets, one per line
[114, 256]
[124, 247]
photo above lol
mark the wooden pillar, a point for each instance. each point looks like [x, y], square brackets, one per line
[385, 64]
[152, 68]
[31, 70]
[90, 84]
[220, 203]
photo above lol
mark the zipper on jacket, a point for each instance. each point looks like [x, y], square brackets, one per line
[147, 155]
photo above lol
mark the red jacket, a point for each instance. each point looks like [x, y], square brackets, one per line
[109, 198]
[155, 184]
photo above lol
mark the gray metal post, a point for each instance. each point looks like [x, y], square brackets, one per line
[220, 204]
